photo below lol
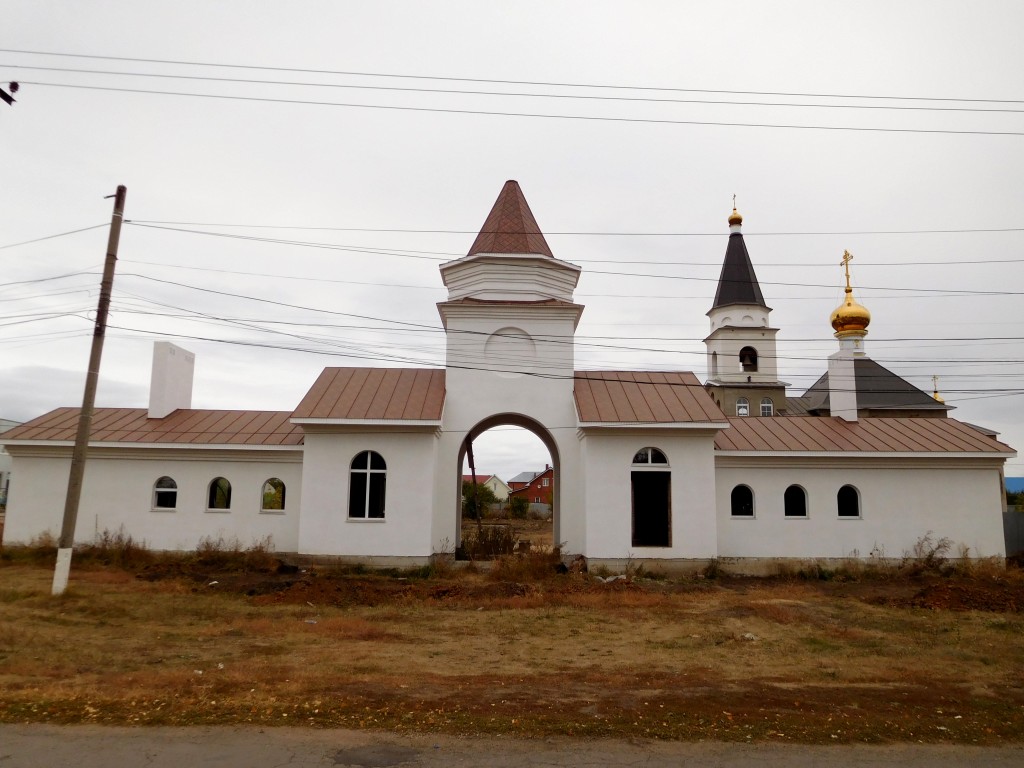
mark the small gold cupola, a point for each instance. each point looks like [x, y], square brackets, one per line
[734, 218]
[850, 318]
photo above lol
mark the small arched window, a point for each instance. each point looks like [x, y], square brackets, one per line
[795, 500]
[219, 496]
[273, 496]
[649, 456]
[742, 501]
[165, 493]
[743, 407]
[367, 482]
[714, 365]
[848, 501]
[767, 407]
[748, 359]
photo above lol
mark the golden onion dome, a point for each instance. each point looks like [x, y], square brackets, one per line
[850, 316]
[735, 218]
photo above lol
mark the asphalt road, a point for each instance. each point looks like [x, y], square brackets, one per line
[43, 746]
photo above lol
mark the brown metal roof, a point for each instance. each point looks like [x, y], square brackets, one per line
[877, 435]
[186, 425]
[400, 394]
[510, 227]
[643, 397]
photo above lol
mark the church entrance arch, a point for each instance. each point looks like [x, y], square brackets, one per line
[536, 428]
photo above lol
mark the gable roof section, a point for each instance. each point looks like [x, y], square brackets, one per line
[510, 227]
[737, 283]
[877, 387]
[815, 434]
[183, 426]
[643, 397]
[374, 394]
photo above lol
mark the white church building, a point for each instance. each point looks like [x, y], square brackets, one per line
[648, 465]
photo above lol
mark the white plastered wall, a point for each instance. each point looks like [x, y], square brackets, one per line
[608, 464]
[480, 385]
[901, 500]
[326, 528]
[117, 492]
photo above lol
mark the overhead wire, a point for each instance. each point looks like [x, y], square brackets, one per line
[511, 94]
[535, 115]
[228, 65]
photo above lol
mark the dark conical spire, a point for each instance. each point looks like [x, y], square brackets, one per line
[737, 284]
[510, 226]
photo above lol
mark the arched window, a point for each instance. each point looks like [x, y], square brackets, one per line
[367, 479]
[848, 501]
[714, 365]
[748, 359]
[742, 501]
[767, 407]
[165, 493]
[273, 496]
[219, 496]
[795, 500]
[651, 491]
[743, 407]
[649, 456]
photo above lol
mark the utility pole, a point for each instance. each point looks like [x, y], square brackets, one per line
[67, 531]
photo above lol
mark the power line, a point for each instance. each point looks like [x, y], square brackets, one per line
[51, 237]
[330, 246]
[512, 94]
[577, 375]
[500, 113]
[172, 224]
[503, 82]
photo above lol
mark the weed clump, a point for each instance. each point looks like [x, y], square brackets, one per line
[117, 548]
[528, 566]
[488, 542]
[230, 555]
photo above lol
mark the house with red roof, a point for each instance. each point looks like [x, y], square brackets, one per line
[538, 489]
[646, 465]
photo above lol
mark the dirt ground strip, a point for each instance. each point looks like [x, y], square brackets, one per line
[521, 651]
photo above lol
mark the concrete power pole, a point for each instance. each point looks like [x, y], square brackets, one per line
[67, 531]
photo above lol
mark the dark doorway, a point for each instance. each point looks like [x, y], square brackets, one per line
[652, 519]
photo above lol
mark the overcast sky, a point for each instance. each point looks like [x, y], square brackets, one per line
[289, 209]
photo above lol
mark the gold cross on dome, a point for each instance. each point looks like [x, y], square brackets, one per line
[847, 258]
[734, 202]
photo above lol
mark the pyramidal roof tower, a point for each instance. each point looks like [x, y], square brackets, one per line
[742, 370]
[510, 261]
[510, 304]
[738, 284]
[510, 227]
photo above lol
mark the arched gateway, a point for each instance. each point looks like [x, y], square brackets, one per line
[516, 420]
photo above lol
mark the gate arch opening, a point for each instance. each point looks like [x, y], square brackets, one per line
[540, 432]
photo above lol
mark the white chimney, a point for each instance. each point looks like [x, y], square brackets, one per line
[842, 384]
[170, 386]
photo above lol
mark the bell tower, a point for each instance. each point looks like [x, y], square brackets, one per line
[742, 363]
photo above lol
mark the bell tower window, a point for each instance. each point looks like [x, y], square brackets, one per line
[748, 359]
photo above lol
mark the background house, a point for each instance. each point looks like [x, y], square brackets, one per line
[538, 489]
[498, 486]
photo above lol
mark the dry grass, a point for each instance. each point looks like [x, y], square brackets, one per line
[516, 650]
